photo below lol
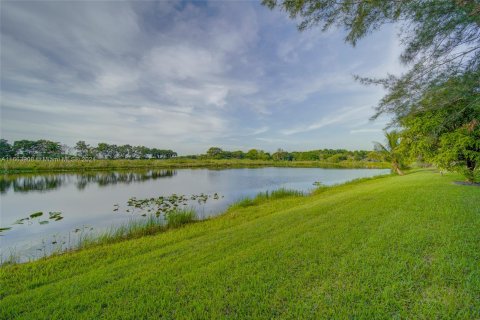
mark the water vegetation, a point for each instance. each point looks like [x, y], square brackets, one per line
[52, 216]
[265, 196]
[165, 204]
[86, 236]
[389, 247]
[136, 228]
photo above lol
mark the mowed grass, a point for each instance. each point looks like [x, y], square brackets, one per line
[393, 247]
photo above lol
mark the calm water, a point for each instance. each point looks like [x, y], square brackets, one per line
[87, 200]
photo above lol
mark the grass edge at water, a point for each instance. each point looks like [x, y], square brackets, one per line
[399, 247]
[137, 228]
[134, 228]
[262, 197]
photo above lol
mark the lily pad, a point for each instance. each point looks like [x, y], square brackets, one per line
[36, 214]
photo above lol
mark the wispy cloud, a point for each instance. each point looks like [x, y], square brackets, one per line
[341, 116]
[365, 130]
[180, 75]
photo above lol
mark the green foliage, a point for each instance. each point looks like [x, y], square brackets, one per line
[29, 148]
[337, 158]
[327, 155]
[440, 37]
[215, 153]
[83, 149]
[447, 136]
[441, 40]
[460, 150]
[254, 154]
[391, 151]
[5, 149]
[53, 150]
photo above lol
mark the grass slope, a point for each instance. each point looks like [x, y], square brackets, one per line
[394, 247]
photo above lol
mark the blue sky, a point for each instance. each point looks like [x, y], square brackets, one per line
[186, 76]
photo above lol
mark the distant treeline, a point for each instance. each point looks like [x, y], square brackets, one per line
[45, 149]
[326, 155]
[51, 150]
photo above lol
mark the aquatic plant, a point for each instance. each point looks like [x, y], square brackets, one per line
[179, 217]
[164, 204]
[52, 216]
[265, 196]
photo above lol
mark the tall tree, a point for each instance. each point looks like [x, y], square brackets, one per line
[215, 153]
[83, 149]
[5, 149]
[441, 40]
[391, 151]
[24, 148]
[449, 136]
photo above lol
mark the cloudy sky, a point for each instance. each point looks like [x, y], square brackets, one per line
[186, 76]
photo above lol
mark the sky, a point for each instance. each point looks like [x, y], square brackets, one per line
[186, 76]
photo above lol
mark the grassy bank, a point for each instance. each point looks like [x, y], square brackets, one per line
[394, 247]
[16, 166]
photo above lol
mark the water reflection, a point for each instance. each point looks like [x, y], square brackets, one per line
[44, 182]
[87, 199]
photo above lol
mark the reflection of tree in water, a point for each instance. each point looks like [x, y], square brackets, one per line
[31, 183]
[110, 178]
[27, 183]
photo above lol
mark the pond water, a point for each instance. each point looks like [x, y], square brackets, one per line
[95, 201]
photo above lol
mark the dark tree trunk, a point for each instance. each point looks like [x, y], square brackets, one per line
[471, 164]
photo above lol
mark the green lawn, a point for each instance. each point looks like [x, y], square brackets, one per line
[394, 247]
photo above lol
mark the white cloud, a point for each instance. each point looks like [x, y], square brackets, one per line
[189, 75]
[340, 116]
[365, 130]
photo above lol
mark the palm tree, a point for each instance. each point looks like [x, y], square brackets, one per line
[390, 150]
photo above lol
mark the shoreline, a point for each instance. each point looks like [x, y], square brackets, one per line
[403, 236]
[34, 166]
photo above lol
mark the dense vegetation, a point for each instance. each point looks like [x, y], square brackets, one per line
[326, 155]
[436, 103]
[51, 150]
[394, 247]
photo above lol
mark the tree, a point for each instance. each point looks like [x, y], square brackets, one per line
[282, 155]
[441, 41]
[24, 148]
[48, 149]
[449, 136]
[252, 154]
[83, 149]
[460, 150]
[102, 150]
[141, 152]
[124, 151]
[112, 152]
[238, 154]
[391, 151]
[214, 153]
[5, 149]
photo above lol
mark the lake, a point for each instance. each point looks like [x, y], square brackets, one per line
[94, 201]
